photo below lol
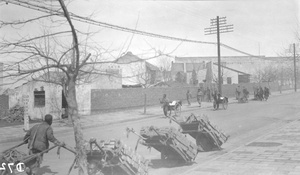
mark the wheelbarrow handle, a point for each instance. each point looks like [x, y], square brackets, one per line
[69, 149]
[30, 157]
[20, 144]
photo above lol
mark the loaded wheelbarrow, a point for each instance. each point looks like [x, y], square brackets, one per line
[113, 157]
[168, 141]
[13, 161]
[207, 136]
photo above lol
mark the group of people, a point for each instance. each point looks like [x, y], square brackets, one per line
[261, 93]
[199, 96]
[242, 94]
[202, 95]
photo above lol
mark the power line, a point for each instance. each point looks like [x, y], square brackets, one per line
[116, 27]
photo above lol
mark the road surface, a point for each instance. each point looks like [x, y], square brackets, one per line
[244, 122]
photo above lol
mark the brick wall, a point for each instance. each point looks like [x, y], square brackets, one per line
[109, 99]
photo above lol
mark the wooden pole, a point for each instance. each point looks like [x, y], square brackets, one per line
[219, 58]
[145, 103]
[295, 68]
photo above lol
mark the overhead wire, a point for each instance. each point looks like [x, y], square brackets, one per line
[119, 28]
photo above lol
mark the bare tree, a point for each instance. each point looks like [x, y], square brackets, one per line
[63, 52]
[140, 73]
[268, 74]
[215, 76]
[165, 64]
[40, 56]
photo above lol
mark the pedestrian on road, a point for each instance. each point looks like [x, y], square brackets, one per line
[199, 96]
[38, 138]
[208, 94]
[266, 93]
[164, 99]
[188, 97]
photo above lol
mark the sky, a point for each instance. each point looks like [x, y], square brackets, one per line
[261, 27]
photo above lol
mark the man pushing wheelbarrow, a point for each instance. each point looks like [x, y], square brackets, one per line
[38, 138]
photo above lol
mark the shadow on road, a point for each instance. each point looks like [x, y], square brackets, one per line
[46, 170]
[168, 163]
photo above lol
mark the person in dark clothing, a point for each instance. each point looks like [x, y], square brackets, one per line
[164, 99]
[199, 96]
[188, 97]
[261, 93]
[38, 138]
[165, 104]
[216, 97]
[266, 93]
[245, 94]
[208, 95]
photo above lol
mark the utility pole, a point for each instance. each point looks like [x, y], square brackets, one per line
[217, 26]
[295, 67]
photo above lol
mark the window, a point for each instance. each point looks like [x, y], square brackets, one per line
[39, 98]
[229, 80]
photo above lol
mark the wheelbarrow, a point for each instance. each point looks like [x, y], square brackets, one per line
[207, 136]
[113, 157]
[168, 141]
[13, 161]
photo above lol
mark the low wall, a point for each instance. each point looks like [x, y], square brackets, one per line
[110, 99]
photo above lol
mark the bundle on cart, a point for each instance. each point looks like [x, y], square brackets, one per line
[113, 157]
[169, 142]
[208, 137]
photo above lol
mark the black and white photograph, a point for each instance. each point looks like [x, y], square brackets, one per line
[149, 87]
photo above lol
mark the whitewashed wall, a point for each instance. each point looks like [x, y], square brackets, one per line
[53, 99]
[53, 96]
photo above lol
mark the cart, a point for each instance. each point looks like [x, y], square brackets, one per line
[169, 142]
[207, 136]
[113, 157]
[222, 101]
[13, 161]
[168, 107]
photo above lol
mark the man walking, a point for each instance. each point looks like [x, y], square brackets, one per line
[38, 138]
[208, 94]
[188, 96]
[199, 96]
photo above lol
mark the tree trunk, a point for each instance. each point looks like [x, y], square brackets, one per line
[73, 114]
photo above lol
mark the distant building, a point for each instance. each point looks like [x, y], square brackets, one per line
[234, 69]
[137, 72]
